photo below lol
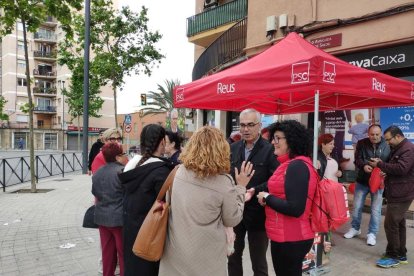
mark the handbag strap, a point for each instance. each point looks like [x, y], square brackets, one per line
[168, 182]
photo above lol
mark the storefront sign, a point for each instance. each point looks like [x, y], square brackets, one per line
[327, 41]
[90, 129]
[383, 59]
[403, 117]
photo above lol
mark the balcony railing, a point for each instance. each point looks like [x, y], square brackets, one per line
[215, 17]
[44, 90]
[45, 109]
[45, 36]
[44, 54]
[44, 73]
[226, 48]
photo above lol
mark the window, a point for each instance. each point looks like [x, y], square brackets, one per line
[20, 45]
[19, 26]
[21, 63]
[24, 136]
[43, 103]
[50, 141]
[21, 82]
[22, 118]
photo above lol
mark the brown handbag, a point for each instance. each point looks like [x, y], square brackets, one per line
[150, 240]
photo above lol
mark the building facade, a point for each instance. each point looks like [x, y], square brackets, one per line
[54, 128]
[374, 36]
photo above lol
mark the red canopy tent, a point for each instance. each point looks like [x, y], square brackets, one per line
[294, 76]
[285, 78]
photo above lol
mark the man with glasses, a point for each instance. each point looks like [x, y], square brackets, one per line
[252, 147]
[372, 147]
[399, 192]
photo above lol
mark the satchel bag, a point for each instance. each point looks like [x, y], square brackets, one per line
[150, 240]
[88, 219]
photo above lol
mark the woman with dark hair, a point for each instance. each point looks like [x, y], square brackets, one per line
[109, 195]
[327, 164]
[173, 146]
[143, 180]
[288, 202]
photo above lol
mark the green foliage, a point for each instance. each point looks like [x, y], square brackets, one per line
[25, 108]
[3, 116]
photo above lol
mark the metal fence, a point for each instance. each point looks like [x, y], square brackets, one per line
[16, 170]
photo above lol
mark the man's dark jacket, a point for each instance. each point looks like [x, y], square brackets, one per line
[364, 151]
[264, 163]
[399, 182]
[95, 149]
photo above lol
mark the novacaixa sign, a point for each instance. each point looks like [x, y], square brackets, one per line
[383, 59]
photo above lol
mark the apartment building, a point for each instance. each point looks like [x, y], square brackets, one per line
[54, 128]
[375, 35]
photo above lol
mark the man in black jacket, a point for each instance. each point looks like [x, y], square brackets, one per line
[372, 147]
[95, 149]
[260, 152]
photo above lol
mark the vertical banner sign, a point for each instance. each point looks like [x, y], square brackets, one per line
[403, 117]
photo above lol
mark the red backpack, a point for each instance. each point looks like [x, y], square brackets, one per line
[329, 206]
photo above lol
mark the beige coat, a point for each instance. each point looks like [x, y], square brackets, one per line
[200, 209]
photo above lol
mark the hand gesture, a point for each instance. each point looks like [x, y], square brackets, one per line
[246, 173]
[260, 198]
[249, 194]
[374, 162]
[367, 168]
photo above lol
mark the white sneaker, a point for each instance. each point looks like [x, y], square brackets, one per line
[371, 239]
[352, 233]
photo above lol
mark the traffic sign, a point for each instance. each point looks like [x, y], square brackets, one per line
[127, 128]
[128, 119]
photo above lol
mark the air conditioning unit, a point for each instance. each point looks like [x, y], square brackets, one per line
[210, 3]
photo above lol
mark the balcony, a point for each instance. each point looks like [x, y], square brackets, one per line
[50, 21]
[44, 74]
[205, 27]
[45, 92]
[229, 47]
[44, 55]
[45, 37]
[45, 109]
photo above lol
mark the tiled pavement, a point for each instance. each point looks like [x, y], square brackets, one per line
[34, 226]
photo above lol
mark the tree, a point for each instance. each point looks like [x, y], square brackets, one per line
[31, 13]
[121, 43]
[162, 100]
[3, 116]
[74, 96]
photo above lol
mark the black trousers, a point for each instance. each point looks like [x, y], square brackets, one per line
[287, 257]
[258, 244]
[395, 228]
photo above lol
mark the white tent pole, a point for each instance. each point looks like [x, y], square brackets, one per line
[315, 129]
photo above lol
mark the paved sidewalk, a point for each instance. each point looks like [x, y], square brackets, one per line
[34, 226]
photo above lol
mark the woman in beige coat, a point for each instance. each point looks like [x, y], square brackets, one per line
[204, 201]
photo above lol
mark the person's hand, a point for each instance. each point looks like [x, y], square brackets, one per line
[89, 172]
[261, 198]
[338, 173]
[374, 162]
[327, 246]
[246, 173]
[249, 194]
[367, 168]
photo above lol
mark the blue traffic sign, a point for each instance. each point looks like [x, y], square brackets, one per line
[128, 119]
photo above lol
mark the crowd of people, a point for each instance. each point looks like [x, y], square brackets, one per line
[260, 185]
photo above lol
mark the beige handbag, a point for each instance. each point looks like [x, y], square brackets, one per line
[150, 240]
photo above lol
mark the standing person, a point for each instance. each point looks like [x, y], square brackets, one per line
[95, 149]
[174, 123]
[142, 184]
[327, 164]
[288, 202]
[111, 135]
[20, 144]
[399, 192]
[173, 146]
[109, 195]
[358, 131]
[252, 148]
[372, 147]
[205, 200]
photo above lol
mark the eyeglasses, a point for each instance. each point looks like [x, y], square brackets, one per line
[113, 139]
[249, 125]
[277, 139]
[387, 140]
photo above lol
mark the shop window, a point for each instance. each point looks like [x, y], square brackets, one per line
[50, 141]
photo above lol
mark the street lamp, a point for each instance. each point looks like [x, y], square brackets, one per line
[62, 88]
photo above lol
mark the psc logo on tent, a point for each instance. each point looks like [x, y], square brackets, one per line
[329, 72]
[179, 95]
[300, 72]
